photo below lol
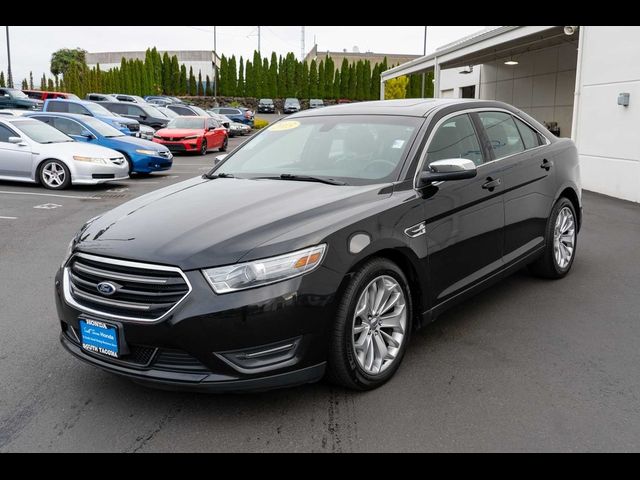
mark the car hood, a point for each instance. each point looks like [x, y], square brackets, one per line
[135, 142]
[202, 223]
[123, 120]
[179, 132]
[69, 149]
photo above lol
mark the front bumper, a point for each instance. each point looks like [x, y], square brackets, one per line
[192, 145]
[217, 343]
[147, 163]
[93, 174]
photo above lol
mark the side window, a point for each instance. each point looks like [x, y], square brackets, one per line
[47, 120]
[530, 137]
[67, 126]
[58, 107]
[229, 111]
[121, 109]
[502, 132]
[182, 111]
[213, 123]
[455, 138]
[76, 108]
[5, 133]
[133, 110]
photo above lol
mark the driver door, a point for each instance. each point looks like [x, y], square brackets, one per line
[464, 224]
[15, 159]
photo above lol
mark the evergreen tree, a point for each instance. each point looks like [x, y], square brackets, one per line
[303, 92]
[166, 73]
[249, 81]
[61, 86]
[313, 79]
[344, 79]
[374, 91]
[193, 88]
[50, 86]
[57, 84]
[321, 80]
[224, 76]
[43, 82]
[175, 75]
[240, 88]
[124, 85]
[272, 89]
[208, 89]
[281, 79]
[366, 81]
[156, 66]
[2, 80]
[290, 73]
[352, 81]
[99, 76]
[337, 80]
[25, 84]
[31, 80]
[329, 69]
[257, 74]
[298, 82]
[233, 76]
[135, 74]
[359, 86]
[265, 77]
[184, 87]
[200, 85]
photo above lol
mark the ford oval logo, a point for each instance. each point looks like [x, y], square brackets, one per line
[106, 288]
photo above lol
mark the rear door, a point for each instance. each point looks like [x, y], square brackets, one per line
[464, 218]
[5, 99]
[15, 159]
[529, 180]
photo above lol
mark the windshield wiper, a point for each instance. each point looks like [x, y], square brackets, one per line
[305, 178]
[211, 176]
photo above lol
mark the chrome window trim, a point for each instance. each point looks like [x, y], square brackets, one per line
[423, 154]
[122, 263]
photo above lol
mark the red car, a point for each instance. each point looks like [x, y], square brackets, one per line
[43, 95]
[193, 134]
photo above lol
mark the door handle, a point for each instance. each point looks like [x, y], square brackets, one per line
[491, 184]
[546, 164]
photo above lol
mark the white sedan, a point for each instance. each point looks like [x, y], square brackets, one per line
[32, 151]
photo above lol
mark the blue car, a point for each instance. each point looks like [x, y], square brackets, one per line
[240, 115]
[91, 109]
[143, 156]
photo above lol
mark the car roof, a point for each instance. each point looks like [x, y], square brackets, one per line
[69, 100]
[75, 116]
[10, 119]
[413, 107]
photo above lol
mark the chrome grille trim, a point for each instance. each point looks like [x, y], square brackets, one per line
[70, 300]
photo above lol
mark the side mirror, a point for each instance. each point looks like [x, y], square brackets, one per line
[219, 158]
[16, 140]
[449, 169]
[87, 134]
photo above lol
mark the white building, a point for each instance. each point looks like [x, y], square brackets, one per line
[567, 77]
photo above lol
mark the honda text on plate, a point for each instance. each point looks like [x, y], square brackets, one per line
[318, 246]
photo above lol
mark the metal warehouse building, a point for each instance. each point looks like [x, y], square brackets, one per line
[582, 81]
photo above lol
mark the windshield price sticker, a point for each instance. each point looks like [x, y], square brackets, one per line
[284, 125]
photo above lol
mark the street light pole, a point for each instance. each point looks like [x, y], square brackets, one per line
[259, 51]
[9, 77]
[424, 52]
[215, 68]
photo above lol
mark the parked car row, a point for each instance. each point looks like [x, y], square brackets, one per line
[291, 105]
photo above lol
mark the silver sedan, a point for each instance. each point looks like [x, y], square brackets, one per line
[32, 151]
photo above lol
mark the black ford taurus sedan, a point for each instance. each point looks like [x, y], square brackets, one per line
[318, 246]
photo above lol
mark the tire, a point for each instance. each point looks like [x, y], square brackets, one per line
[550, 264]
[54, 175]
[204, 147]
[129, 162]
[225, 143]
[347, 368]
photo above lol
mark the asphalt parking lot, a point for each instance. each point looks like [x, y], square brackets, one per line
[529, 365]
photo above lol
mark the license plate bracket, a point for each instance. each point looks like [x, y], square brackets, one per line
[99, 337]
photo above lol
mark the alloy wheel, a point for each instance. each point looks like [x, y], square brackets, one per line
[53, 174]
[564, 237]
[379, 324]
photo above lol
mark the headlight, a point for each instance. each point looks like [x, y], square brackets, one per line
[76, 237]
[148, 152]
[101, 161]
[157, 136]
[263, 272]
[191, 137]
[120, 125]
[69, 251]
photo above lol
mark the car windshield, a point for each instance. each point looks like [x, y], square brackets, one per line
[266, 101]
[354, 149]
[41, 132]
[102, 128]
[199, 111]
[168, 112]
[17, 94]
[291, 100]
[153, 111]
[186, 122]
[98, 109]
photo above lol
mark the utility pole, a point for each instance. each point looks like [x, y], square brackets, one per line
[9, 77]
[424, 52]
[215, 67]
[259, 51]
[302, 49]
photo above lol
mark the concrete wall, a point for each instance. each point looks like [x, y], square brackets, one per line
[451, 81]
[608, 135]
[542, 84]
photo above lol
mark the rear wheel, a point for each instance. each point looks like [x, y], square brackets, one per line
[561, 237]
[225, 143]
[372, 327]
[203, 147]
[54, 175]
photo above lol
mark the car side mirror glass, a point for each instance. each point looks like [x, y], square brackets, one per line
[448, 169]
[219, 158]
[86, 133]
[15, 140]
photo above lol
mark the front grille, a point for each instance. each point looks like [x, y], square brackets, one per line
[177, 360]
[172, 139]
[133, 127]
[176, 147]
[102, 175]
[117, 160]
[135, 291]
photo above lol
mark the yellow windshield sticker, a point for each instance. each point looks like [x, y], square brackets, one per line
[284, 125]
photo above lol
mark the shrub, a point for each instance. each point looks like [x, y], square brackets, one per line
[235, 104]
[259, 123]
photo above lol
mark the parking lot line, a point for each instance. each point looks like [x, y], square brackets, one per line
[8, 218]
[50, 195]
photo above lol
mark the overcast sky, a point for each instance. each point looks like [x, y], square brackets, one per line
[31, 47]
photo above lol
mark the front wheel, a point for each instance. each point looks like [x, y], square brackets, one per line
[372, 327]
[203, 147]
[55, 175]
[561, 238]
